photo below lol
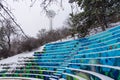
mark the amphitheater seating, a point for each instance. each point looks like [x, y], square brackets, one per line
[95, 57]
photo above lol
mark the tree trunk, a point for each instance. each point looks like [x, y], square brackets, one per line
[100, 22]
[103, 28]
[9, 44]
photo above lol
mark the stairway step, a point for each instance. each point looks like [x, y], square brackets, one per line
[57, 74]
[61, 69]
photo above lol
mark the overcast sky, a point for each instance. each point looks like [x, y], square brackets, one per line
[33, 19]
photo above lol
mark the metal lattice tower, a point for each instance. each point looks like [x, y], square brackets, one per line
[51, 14]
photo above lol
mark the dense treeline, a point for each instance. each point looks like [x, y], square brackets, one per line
[96, 13]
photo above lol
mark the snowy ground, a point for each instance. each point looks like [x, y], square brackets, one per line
[14, 60]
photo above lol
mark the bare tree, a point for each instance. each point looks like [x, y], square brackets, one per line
[6, 32]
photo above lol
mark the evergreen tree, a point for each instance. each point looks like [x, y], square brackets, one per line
[96, 13]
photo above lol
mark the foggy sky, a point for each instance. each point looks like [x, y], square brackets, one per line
[33, 19]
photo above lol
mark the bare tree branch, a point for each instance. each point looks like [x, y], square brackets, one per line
[13, 20]
[2, 16]
[33, 3]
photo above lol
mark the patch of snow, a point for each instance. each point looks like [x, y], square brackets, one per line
[114, 24]
[13, 61]
[94, 31]
[65, 39]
